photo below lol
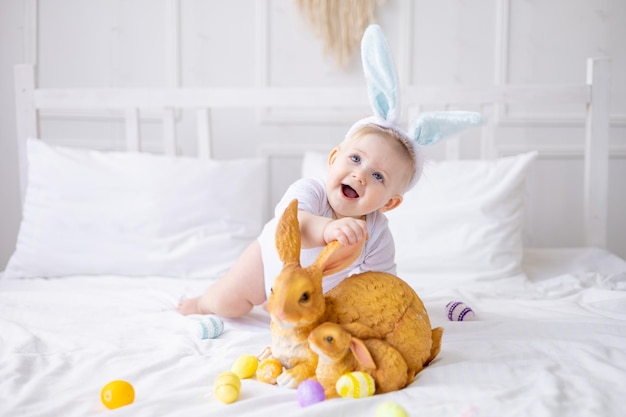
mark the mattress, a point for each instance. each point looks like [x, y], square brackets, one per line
[547, 342]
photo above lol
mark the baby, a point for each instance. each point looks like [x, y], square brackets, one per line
[368, 174]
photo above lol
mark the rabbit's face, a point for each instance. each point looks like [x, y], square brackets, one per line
[296, 298]
[330, 341]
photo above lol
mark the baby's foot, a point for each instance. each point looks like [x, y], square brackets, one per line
[189, 306]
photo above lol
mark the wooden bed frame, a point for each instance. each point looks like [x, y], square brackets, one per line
[594, 94]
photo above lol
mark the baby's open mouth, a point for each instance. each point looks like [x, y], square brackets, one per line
[349, 191]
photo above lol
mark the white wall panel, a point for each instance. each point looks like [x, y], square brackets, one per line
[614, 21]
[217, 42]
[550, 43]
[454, 42]
[75, 52]
[107, 46]
[206, 43]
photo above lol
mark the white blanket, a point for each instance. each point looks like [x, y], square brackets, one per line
[540, 346]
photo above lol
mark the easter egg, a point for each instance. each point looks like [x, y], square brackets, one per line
[227, 387]
[389, 409]
[117, 394]
[268, 370]
[459, 311]
[310, 392]
[355, 385]
[209, 327]
[245, 366]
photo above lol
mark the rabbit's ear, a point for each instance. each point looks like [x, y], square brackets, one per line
[380, 74]
[430, 127]
[336, 257]
[288, 239]
[362, 353]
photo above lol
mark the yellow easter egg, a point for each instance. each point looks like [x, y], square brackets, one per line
[227, 387]
[355, 385]
[390, 409]
[245, 366]
[268, 370]
[117, 394]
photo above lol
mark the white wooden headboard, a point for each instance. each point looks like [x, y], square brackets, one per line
[594, 94]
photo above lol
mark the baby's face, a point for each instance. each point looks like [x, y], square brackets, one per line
[367, 174]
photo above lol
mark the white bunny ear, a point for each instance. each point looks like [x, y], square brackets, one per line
[384, 97]
[431, 127]
[380, 74]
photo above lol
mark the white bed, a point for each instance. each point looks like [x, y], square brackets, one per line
[103, 257]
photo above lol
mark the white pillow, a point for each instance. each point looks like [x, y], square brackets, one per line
[463, 219]
[92, 212]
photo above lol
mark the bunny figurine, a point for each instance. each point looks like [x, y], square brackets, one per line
[368, 303]
[339, 352]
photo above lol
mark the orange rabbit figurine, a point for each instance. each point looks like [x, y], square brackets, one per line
[370, 302]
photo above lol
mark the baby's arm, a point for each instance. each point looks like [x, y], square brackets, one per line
[318, 230]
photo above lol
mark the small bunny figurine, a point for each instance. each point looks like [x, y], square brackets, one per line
[368, 302]
[340, 352]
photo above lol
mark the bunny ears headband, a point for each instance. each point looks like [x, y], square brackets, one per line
[382, 89]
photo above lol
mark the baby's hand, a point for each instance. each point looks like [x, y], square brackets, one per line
[347, 231]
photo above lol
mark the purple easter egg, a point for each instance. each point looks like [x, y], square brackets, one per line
[310, 392]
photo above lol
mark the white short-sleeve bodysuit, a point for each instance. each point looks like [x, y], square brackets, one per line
[378, 253]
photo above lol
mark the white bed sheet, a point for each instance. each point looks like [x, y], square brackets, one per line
[550, 344]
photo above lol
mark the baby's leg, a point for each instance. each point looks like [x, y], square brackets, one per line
[236, 292]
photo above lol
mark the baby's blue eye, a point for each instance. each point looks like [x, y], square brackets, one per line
[355, 158]
[378, 176]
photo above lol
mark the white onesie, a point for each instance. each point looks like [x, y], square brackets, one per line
[378, 253]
